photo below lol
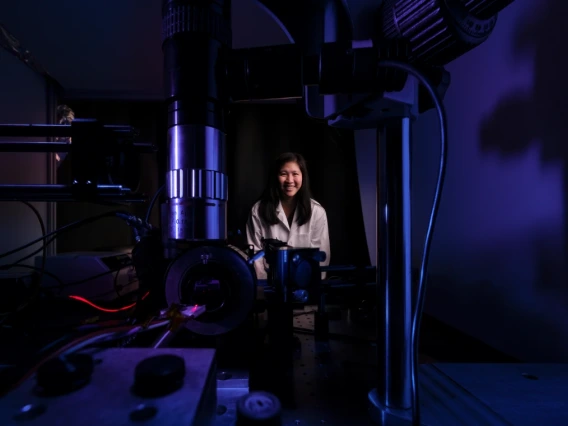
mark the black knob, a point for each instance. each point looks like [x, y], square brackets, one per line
[159, 375]
[64, 374]
[259, 408]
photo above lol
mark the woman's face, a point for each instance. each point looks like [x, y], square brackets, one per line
[290, 179]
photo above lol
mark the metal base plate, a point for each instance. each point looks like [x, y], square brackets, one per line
[333, 389]
[107, 399]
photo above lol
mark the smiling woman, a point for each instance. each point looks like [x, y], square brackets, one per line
[287, 212]
[290, 180]
[258, 133]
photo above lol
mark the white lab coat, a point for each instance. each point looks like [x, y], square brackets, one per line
[314, 233]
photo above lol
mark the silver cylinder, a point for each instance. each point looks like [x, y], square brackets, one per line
[394, 269]
[196, 37]
[196, 183]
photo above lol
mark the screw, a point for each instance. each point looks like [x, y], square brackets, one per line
[529, 376]
[224, 376]
[30, 412]
[143, 413]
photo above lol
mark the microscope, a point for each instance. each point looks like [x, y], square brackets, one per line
[382, 83]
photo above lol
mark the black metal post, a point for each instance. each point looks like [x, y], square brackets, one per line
[321, 324]
[394, 270]
[281, 328]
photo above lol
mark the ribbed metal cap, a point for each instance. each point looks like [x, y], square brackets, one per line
[183, 16]
[438, 31]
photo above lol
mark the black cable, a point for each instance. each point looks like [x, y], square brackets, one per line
[114, 292]
[63, 285]
[49, 274]
[85, 280]
[42, 248]
[67, 227]
[154, 199]
[115, 284]
[417, 317]
[54, 235]
[37, 288]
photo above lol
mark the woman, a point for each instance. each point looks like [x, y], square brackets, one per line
[286, 211]
[65, 115]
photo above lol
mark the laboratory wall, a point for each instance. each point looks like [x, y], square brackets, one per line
[26, 97]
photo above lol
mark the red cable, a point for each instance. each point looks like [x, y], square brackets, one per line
[100, 308]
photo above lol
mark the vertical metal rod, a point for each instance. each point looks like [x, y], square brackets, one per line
[281, 328]
[394, 267]
[321, 326]
[51, 207]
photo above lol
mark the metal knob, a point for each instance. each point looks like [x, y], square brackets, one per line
[64, 374]
[159, 375]
[259, 409]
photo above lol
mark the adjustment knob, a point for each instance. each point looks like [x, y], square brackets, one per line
[438, 31]
[259, 408]
[159, 375]
[64, 374]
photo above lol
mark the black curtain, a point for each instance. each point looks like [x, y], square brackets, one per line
[257, 133]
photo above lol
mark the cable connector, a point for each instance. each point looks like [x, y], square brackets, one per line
[132, 220]
[139, 226]
[179, 314]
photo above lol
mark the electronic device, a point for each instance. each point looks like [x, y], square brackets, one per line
[96, 276]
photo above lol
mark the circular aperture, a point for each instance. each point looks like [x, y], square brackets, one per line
[218, 278]
[209, 285]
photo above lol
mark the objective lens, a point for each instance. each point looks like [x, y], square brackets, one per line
[196, 35]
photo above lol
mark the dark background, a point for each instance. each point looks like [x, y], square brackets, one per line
[260, 132]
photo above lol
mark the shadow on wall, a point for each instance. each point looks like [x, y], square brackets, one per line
[540, 114]
[525, 332]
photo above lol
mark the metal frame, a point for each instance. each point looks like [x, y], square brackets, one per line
[91, 142]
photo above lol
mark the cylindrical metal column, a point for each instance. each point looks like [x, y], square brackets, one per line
[196, 36]
[394, 269]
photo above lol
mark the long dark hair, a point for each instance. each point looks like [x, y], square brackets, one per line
[271, 195]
